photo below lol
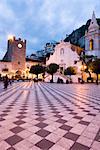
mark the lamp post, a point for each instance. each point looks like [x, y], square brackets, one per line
[83, 67]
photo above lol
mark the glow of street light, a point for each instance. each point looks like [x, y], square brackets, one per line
[10, 37]
[82, 67]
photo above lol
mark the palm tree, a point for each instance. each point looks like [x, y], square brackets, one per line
[95, 67]
[51, 69]
[37, 69]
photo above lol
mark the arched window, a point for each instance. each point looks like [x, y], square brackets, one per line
[91, 44]
[61, 51]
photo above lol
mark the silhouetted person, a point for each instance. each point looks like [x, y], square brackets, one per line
[79, 80]
[5, 82]
[67, 82]
[10, 81]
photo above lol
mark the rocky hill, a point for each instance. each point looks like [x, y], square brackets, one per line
[77, 36]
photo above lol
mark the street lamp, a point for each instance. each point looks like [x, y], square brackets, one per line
[82, 68]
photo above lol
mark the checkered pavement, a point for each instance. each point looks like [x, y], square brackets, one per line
[44, 116]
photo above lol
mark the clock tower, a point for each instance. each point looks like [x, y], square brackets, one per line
[16, 53]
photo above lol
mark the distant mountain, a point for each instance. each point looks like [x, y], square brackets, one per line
[77, 36]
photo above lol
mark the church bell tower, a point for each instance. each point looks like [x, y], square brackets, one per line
[92, 38]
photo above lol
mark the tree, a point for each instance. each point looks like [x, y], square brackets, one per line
[37, 69]
[87, 59]
[70, 71]
[51, 69]
[95, 67]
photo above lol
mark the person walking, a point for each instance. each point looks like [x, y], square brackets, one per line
[5, 82]
[10, 81]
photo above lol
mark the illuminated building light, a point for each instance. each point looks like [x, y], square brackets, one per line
[10, 37]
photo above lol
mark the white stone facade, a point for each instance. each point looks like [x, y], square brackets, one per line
[63, 55]
[92, 38]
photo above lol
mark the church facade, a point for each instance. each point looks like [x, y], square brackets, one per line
[63, 55]
[92, 38]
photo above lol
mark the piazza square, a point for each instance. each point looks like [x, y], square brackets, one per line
[45, 116]
[49, 75]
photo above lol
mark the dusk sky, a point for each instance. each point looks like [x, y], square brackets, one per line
[41, 21]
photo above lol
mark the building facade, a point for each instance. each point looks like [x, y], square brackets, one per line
[92, 38]
[15, 60]
[63, 55]
[16, 53]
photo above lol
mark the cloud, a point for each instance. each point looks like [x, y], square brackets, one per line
[5, 11]
[39, 21]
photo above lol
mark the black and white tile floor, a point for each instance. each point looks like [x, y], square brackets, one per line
[50, 117]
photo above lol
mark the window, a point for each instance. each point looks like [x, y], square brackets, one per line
[18, 62]
[91, 44]
[61, 51]
[5, 70]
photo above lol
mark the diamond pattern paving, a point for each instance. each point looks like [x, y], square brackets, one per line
[47, 116]
[13, 140]
[16, 129]
[71, 136]
[43, 133]
[19, 122]
[45, 144]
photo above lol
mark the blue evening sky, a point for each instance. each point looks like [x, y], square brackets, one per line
[41, 21]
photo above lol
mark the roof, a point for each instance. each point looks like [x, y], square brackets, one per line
[33, 60]
[5, 61]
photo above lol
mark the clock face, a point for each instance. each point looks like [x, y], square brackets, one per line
[20, 45]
